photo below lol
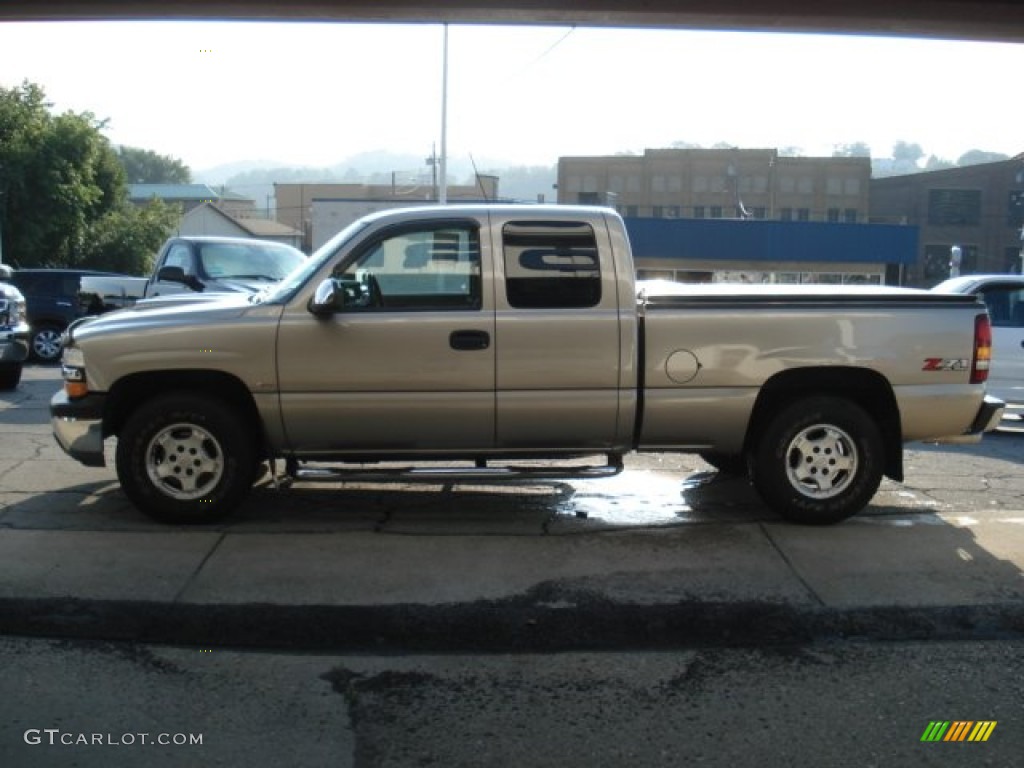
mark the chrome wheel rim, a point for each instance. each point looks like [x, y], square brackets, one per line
[821, 461]
[184, 461]
[46, 345]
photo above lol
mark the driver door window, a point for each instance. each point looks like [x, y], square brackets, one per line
[436, 269]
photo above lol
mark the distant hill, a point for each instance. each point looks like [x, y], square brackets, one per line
[255, 179]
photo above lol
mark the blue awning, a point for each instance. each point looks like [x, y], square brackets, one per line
[771, 241]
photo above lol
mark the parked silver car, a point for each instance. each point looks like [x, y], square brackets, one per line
[1004, 297]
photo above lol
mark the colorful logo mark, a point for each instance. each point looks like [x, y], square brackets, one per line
[958, 730]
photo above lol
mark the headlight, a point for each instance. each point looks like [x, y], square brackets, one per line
[73, 372]
[12, 311]
[73, 357]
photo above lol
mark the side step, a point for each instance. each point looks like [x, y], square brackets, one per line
[480, 473]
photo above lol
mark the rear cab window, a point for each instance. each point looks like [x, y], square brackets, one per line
[551, 265]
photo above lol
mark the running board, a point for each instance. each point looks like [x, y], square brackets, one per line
[481, 473]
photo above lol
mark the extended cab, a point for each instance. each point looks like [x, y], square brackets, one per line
[197, 264]
[461, 339]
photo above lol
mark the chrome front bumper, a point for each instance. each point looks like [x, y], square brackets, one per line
[78, 427]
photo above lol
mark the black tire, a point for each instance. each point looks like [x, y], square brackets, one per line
[186, 458]
[819, 461]
[10, 375]
[727, 463]
[45, 343]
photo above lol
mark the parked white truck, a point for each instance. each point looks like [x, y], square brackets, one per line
[461, 340]
[194, 264]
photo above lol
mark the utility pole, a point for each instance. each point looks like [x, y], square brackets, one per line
[442, 197]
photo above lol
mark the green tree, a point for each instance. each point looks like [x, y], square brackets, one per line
[63, 196]
[936, 163]
[906, 157]
[126, 239]
[979, 156]
[144, 166]
[58, 175]
[857, 149]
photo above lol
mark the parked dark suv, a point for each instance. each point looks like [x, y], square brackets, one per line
[55, 297]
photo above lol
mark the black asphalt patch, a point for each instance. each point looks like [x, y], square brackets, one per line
[544, 620]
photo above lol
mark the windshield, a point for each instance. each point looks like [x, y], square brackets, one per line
[290, 284]
[254, 261]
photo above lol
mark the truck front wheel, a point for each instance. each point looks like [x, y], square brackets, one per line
[819, 460]
[186, 458]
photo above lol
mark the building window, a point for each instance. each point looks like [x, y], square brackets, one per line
[658, 212]
[716, 211]
[1012, 261]
[1015, 209]
[674, 212]
[589, 198]
[698, 211]
[700, 184]
[787, 184]
[616, 183]
[786, 214]
[833, 215]
[631, 210]
[833, 187]
[657, 183]
[851, 186]
[632, 183]
[954, 207]
[758, 211]
[675, 183]
[937, 260]
[806, 186]
[803, 214]
[850, 215]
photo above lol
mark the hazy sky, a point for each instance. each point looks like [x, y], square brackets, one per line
[217, 92]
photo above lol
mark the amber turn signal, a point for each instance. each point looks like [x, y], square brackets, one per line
[76, 388]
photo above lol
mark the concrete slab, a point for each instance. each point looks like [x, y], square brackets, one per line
[926, 561]
[712, 563]
[100, 565]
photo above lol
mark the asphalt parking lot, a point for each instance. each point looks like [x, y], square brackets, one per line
[665, 554]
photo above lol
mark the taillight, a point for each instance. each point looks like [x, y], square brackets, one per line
[982, 349]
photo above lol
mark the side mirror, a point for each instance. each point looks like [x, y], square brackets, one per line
[325, 300]
[171, 275]
[177, 275]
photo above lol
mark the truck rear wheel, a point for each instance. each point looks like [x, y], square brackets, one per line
[186, 458]
[819, 460]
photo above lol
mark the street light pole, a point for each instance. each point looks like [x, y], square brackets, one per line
[442, 197]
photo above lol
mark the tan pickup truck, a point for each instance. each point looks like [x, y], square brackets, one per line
[464, 343]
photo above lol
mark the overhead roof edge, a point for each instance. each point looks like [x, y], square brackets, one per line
[990, 20]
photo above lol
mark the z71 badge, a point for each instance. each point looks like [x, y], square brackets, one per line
[946, 364]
